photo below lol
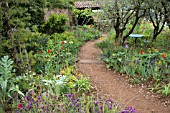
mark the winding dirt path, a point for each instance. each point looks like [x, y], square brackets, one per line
[115, 86]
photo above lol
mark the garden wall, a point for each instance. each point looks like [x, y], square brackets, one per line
[68, 13]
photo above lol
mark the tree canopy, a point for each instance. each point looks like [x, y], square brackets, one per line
[122, 12]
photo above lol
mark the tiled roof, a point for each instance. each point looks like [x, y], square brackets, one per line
[87, 4]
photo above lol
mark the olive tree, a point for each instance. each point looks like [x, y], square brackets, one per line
[121, 13]
[158, 13]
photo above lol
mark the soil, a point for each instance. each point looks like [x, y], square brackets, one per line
[115, 86]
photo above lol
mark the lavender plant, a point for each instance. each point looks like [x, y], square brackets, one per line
[67, 103]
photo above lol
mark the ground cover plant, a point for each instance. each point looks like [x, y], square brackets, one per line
[144, 62]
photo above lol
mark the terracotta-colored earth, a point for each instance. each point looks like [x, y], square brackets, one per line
[116, 86]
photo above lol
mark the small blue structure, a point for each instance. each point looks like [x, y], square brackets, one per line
[136, 36]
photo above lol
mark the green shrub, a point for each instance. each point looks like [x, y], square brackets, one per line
[55, 24]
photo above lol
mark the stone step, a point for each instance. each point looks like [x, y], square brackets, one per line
[90, 61]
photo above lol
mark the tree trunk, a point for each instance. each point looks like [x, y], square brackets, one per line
[137, 17]
[117, 34]
[154, 37]
[131, 30]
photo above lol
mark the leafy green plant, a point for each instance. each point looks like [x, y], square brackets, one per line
[82, 85]
[6, 72]
[165, 90]
[54, 85]
[7, 81]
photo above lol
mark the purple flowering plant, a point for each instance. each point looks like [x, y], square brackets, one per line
[67, 103]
